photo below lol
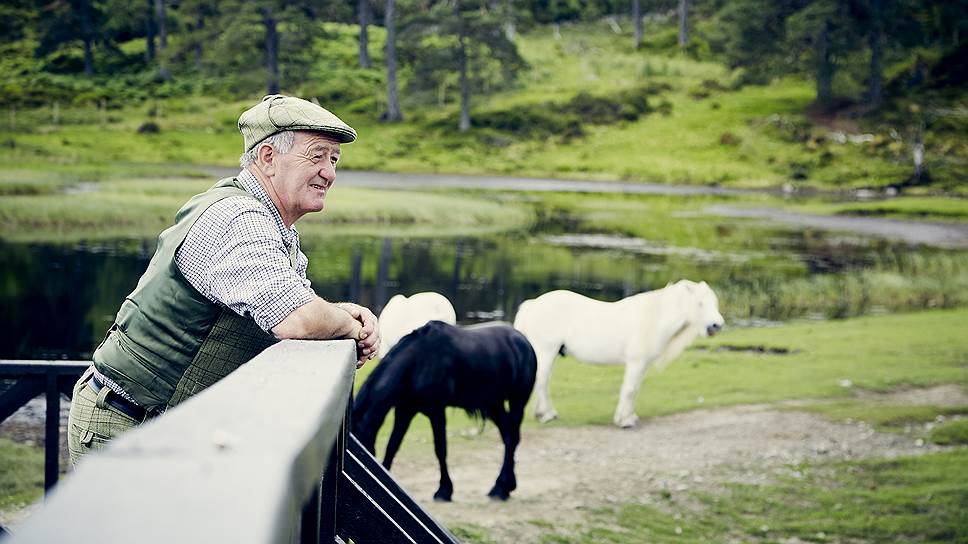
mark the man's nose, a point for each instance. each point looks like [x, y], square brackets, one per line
[328, 173]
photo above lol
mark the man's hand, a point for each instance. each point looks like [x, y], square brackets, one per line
[369, 341]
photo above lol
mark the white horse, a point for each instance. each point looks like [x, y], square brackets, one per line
[402, 315]
[650, 328]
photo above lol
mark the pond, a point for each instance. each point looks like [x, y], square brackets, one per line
[59, 299]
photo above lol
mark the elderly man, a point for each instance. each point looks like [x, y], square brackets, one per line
[226, 281]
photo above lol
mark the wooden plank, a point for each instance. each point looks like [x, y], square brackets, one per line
[235, 463]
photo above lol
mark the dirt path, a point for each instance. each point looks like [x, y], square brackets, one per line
[564, 472]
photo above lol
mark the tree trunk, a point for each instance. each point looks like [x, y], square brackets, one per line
[637, 19]
[917, 153]
[162, 39]
[465, 99]
[160, 22]
[683, 22]
[875, 38]
[390, 57]
[272, 49]
[199, 27]
[509, 28]
[364, 16]
[87, 36]
[825, 67]
[150, 32]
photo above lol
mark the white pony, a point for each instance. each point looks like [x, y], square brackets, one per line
[650, 328]
[403, 314]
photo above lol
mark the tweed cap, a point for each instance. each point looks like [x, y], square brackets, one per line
[277, 112]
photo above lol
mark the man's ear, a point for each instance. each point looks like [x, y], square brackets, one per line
[266, 156]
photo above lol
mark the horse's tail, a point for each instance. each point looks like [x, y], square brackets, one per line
[525, 369]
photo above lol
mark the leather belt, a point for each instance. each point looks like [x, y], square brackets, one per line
[120, 403]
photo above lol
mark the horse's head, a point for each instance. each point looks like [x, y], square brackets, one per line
[703, 308]
[382, 389]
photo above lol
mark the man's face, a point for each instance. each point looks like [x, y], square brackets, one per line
[305, 174]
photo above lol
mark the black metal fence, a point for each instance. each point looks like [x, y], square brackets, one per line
[34, 378]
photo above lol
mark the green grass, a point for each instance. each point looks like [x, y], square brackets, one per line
[886, 417]
[951, 433]
[21, 474]
[932, 208]
[910, 499]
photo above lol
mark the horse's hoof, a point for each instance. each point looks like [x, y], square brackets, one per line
[545, 418]
[628, 422]
[499, 494]
[441, 497]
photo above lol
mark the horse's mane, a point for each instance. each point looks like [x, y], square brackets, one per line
[389, 375]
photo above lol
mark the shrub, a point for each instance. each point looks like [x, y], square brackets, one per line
[530, 121]
[149, 127]
[730, 139]
[600, 110]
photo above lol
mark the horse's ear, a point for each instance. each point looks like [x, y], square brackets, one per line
[703, 284]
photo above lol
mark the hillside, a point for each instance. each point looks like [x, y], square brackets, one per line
[587, 106]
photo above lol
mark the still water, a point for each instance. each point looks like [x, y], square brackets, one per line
[58, 300]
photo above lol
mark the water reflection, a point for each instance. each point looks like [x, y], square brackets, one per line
[58, 300]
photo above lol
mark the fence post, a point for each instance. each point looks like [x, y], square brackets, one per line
[52, 431]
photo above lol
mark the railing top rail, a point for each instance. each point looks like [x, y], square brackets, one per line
[232, 464]
[19, 367]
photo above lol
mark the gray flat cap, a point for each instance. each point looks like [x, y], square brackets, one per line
[277, 112]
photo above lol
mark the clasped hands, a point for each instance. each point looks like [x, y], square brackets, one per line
[368, 341]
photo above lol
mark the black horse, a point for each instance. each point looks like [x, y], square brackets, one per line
[477, 368]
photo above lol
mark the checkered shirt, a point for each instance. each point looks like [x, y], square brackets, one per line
[238, 254]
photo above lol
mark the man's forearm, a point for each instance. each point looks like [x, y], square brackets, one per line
[318, 320]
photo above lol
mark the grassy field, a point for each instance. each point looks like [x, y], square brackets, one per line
[694, 128]
[22, 474]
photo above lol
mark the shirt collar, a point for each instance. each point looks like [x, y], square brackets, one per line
[249, 182]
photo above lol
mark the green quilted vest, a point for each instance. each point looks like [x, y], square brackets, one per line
[168, 341]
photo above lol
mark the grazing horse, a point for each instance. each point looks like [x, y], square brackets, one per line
[403, 314]
[646, 329]
[477, 368]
